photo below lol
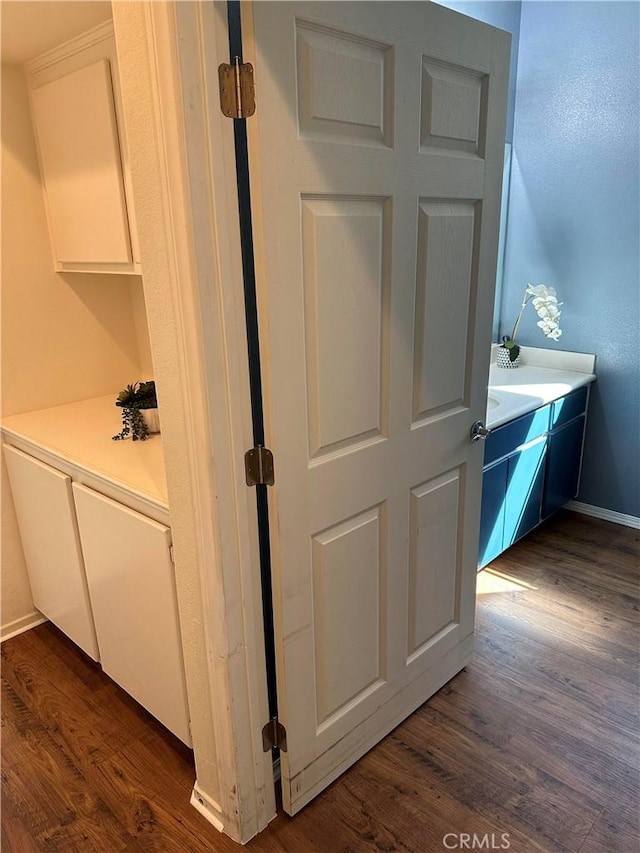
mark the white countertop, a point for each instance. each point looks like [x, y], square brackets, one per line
[543, 376]
[81, 434]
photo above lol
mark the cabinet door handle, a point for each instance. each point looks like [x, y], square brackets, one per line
[479, 431]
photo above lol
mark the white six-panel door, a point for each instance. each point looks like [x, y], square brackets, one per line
[376, 161]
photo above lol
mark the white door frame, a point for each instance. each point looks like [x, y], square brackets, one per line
[183, 174]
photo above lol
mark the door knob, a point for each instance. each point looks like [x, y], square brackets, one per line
[479, 431]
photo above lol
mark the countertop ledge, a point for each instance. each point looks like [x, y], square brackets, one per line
[543, 376]
[80, 435]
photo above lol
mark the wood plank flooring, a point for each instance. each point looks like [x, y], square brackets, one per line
[537, 738]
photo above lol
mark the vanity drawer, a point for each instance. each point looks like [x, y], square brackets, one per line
[507, 438]
[569, 407]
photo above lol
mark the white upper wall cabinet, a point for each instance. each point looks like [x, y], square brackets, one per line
[75, 102]
[80, 156]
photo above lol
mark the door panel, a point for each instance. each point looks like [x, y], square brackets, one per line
[328, 61]
[347, 621]
[346, 321]
[451, 109]
[379, 144]
[434, 562]
[445, 293]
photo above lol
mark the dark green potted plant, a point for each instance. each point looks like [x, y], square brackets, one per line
[139, 406]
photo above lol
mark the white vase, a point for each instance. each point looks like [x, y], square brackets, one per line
[503, 359]
[151, 419]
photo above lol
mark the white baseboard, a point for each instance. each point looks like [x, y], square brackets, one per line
[207, 807]
[19, 626]
[605, 514]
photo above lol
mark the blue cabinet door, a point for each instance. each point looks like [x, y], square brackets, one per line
[525, 479]
[494, 487]
[563, 466]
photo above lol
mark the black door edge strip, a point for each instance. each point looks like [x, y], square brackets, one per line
[253, 342]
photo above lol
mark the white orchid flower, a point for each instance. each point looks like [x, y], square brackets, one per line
[537, 290]
[550, 329]
[545, 302]
[539, 301]
[548, 312]
[541, 290]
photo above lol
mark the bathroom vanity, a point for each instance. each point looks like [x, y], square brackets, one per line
[94, 522]
[533, 454]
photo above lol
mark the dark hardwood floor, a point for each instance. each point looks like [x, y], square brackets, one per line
[537, 738]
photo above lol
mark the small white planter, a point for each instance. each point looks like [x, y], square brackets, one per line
[151, 419]
[503, 360]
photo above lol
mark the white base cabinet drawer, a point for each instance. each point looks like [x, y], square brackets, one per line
[47, 522]
[131, 584]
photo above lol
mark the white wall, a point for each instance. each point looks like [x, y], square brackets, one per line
[64, 337]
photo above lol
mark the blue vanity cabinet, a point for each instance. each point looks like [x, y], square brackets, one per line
[531, 469]
[494, 487]
[564, 455]
[512, 482]
[523, 498]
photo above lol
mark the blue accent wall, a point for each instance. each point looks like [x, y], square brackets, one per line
[504, 14]
[574, 216]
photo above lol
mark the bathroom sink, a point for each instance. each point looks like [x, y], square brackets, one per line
[505, 404]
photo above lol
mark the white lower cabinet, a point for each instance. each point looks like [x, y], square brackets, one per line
[43, 501]
[103, 574]
[131, 584]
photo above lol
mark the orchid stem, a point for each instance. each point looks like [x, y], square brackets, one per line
[526, 298]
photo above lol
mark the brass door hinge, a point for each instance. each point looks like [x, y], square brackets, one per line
[258, 466]
[274, 734]
[237, 90]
